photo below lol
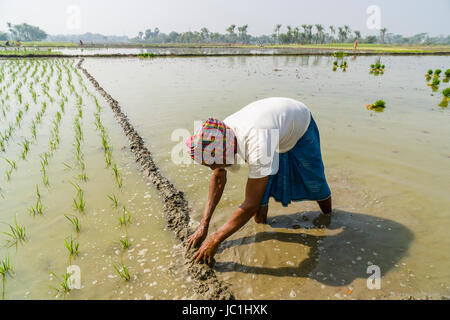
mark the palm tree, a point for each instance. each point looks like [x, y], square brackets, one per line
[382, 34]
[277, 31]
[204, 33]
[357, 34]
[296, 34]
[347, 31]
[332, 32]
[310, 33]
[319, 34]
[230, 30]
[244, 32]
[289, 34]
[305, 32]
[342, 34]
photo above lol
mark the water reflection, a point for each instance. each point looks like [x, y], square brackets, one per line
[360, 240]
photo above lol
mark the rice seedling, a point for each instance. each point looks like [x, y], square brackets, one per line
[125, 219]
[34, 96]
[33, 130]
[117, 175]
[61, 105]
[79, 202]
[45, 180]
[63, 283]
[74, 221]
[125, 243]
[5, 269]
[38, 194]
[378, 106]
[16, 235]
[83, 176]
[37, 209]
[26, 147]
[108, 158]
[11, 163]
[122, 271]
[114, 200]
[72, 246]
[8, 174]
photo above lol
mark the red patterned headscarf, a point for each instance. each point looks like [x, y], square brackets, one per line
[208, 144]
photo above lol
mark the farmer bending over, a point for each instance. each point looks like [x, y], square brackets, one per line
[279, 140]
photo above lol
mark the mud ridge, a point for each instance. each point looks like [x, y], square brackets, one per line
[176, 209]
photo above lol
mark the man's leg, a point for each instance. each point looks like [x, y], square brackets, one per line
[261, 214]
[325, 205]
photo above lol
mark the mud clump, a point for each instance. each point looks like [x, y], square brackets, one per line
[176, 208]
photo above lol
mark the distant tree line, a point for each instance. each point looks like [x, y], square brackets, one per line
[23, 32]
[304, 34]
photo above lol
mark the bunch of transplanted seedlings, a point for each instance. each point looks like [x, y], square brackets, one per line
[343, 65]
[377, 68]
[378, 106]
[446, 76]
[434, 78]
[446, 98]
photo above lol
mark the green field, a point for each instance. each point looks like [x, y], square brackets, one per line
[25, 48]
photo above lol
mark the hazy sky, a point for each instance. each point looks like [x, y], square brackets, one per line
[128, 17]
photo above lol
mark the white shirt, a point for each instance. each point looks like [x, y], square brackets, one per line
[265, 128]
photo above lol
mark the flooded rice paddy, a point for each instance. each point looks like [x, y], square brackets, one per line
[54, 167]
[388, 172]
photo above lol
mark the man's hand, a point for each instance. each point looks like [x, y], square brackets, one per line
[207, 250]
[197, 237]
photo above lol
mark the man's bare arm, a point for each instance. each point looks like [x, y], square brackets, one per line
[254, 192]
[216, 186]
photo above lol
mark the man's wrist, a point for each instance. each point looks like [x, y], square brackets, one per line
[204, 223]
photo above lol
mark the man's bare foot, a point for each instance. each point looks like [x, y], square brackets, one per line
[325, 206]
[261, 214]
[323, 220]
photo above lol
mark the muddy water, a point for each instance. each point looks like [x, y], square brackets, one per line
[388, 171]
[153, 258]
